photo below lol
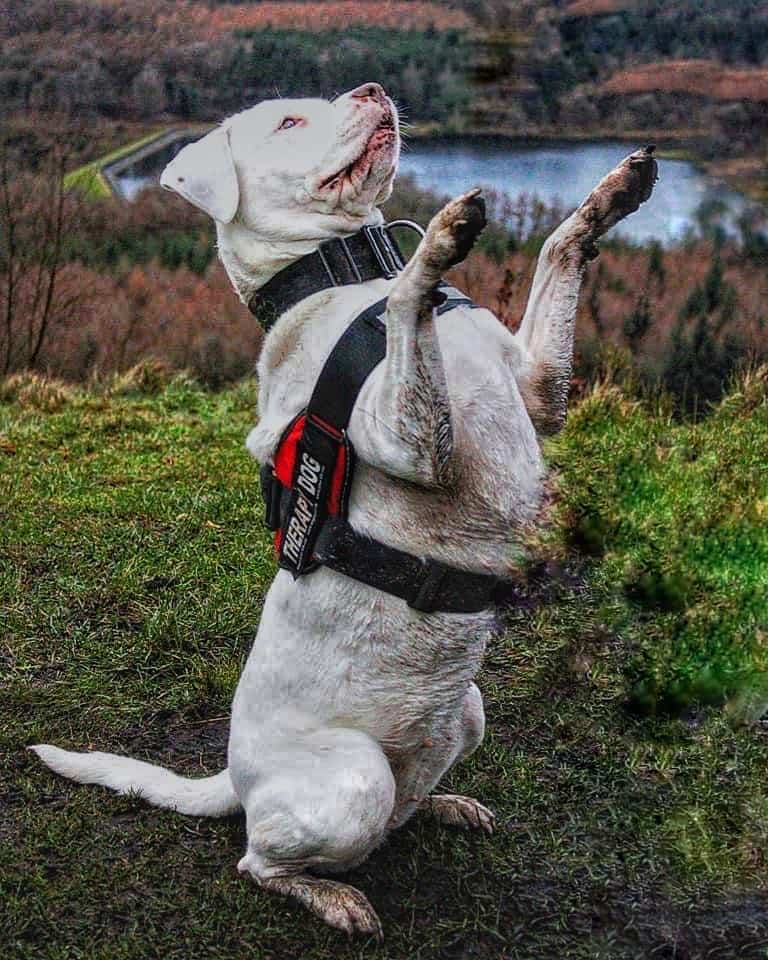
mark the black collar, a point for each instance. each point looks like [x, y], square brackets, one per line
[370, 253]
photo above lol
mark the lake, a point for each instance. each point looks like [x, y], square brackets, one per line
[565, 173]
[555, 172]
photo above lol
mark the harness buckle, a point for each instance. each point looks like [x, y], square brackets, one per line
[271, 492]
[326, 265]
[384, 250]
[351, 260]
[424, 595]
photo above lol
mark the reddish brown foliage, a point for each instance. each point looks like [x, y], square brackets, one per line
[188, 321]
[197, 322]
[704, 77]
[333, 15]
[109, 318]
[613, 286]
[595, 8]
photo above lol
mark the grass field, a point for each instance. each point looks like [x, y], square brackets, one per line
[632, 820]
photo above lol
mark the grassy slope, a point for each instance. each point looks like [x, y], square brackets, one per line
[132, 568]
[90, 179]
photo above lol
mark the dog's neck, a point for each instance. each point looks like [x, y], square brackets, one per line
[250, 260]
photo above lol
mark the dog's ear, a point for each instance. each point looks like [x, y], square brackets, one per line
[204, 173]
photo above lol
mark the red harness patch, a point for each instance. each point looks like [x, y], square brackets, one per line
[293, 473]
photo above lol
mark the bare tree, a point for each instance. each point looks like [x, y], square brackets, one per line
[8, 253]
[33, 223]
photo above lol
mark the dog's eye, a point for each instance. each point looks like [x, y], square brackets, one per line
[289, 122]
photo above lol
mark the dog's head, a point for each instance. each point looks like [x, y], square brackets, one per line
[294, 169]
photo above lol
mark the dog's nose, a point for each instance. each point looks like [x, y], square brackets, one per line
[370, 91]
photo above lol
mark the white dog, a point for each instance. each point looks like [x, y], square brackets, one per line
[352, 705]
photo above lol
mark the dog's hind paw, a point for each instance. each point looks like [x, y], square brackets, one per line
[456, 811]
[452, 232]
[338, 904]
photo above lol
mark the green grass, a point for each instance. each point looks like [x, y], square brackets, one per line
[91, 181]
[678, 515]
[132, 568]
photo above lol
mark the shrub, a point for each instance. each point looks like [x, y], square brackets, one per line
[146, 378]
[638, 323]
[33, 390]
[674, 516]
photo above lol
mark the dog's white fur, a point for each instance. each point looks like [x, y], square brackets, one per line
[352, 706]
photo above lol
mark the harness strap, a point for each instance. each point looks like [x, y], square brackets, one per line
[425, 585]
[308, 535]
[323, 443]
[357, 353]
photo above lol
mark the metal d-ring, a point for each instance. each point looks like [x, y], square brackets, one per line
[405, 223]
[410, 225]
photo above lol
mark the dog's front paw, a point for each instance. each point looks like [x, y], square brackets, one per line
[622, 191]
[452, 232]
[456, 811]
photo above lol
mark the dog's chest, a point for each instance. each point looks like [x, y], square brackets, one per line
[476, 522]
[499, 465]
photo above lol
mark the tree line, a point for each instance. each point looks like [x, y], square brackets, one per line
[143, 61]
[541, 69]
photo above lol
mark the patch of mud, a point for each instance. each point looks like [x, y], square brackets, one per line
[192, 745]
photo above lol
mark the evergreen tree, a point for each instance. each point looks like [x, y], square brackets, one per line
[704, 354]
[638, 323]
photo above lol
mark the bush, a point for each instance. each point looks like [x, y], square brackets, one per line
[36, 391]
[147, 378]
[675, 516]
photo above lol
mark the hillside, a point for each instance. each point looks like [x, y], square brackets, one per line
[685, 73]
[210, 23]
[677, 71]
[84, 64]
[704, 78]
[632, 819]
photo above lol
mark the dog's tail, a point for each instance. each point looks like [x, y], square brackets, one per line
[206, 797]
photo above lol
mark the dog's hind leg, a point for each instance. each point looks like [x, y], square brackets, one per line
[338, 904]
[546, 331]
[319, 801]
[451, 808]
[423, 771]
[402, 421]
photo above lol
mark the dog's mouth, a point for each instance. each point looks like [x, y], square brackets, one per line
[383, 136]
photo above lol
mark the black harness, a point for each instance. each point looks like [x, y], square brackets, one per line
[307, 486]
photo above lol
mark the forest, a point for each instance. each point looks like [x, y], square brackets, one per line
[150, 61]
[92, 287]
[692, 73]
[531, 67]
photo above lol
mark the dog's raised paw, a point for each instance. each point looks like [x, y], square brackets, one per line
[452, 232]
[622, 191]
[464, 812]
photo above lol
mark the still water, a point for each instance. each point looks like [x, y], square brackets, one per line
[565, 173]
[557, 172]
